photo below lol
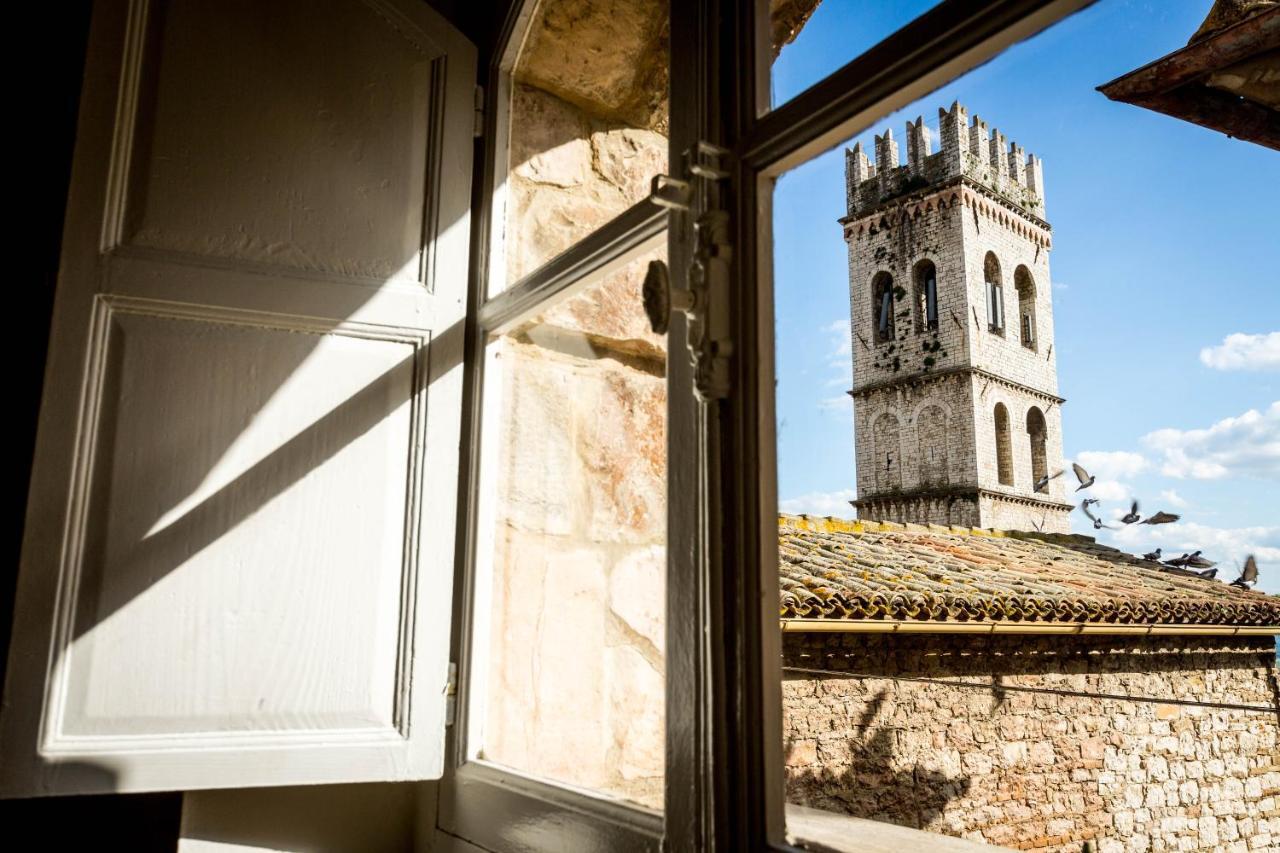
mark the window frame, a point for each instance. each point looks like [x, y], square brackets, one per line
[724, 770]
[482, 804]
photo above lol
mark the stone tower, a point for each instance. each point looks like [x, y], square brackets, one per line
[955, 386]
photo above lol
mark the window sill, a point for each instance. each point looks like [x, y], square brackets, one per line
[814, 829]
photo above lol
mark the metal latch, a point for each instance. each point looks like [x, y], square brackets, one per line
[706, 302]
[451, 695]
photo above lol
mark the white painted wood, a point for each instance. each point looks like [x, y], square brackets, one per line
[238, 555]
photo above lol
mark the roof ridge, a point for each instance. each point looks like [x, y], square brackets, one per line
[831, 524]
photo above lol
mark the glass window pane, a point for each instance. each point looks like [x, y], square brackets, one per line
[813, 38]
[573, 557]
[920, 474]
[585, 130]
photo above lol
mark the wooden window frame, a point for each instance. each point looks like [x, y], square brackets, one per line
[724, 766]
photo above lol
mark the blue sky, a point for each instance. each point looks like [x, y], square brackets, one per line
[1166, 292]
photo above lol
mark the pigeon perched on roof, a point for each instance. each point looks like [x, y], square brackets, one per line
[1083, 476]
[1154, 556]
[1097, 522]
[1161, 518]
[1249, 576]
[1132, 515]
[1183, 561]
[1044, 481]
[1209, 574]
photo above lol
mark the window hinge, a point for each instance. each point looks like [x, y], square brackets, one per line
[478, 127]
[706, 301]
[451, 695]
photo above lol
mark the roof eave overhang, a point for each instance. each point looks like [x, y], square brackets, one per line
[1183, 83]
[902, 626]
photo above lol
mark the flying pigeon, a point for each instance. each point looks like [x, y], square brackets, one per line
[1044, 481]
[1249, 576]
[1198, 562]
[1161, 518]
[1154, 556]
[1083, 476]
[1132, 515]
[1097, 522]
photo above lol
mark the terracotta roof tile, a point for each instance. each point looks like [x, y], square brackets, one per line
[833, 569]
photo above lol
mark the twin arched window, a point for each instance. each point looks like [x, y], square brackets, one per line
[1037, 434]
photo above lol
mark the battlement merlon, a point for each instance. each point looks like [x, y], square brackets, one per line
[969, 149]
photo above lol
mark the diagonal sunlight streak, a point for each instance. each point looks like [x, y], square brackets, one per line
[238, 456]
[211, 516]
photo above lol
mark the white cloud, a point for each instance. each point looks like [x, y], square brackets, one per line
[821, 503]
[840, 355]
[842, 403]
[1061, 285]
[1244, 352]
[1110, 490]
[1246, 445]
[1173, 499]
[1111, 464]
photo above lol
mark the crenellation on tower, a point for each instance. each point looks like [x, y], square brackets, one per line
[970, 150]
[999, 159]
[919, 147]
[954, 132]
[1035, 180]
[886, 161]
[979, 142]
[1017, 164]
[955, 384]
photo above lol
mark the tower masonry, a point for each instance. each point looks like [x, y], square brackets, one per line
[955, 383]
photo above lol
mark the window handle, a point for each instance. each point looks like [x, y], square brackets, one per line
[706, 300]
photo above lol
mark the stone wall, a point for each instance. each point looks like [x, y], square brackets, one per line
[576, 464]
[1040, 771]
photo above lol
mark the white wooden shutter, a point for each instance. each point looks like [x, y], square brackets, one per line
[238, 553]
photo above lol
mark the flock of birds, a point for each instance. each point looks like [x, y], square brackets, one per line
[1192, 564]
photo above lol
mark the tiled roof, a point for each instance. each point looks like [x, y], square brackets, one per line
[832, 569]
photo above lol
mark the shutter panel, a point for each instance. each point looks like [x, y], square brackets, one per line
[238, 553]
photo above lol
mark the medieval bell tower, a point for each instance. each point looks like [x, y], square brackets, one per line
[956, 408]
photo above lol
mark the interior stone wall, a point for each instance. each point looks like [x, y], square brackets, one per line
[579, 530]
[1040, 771]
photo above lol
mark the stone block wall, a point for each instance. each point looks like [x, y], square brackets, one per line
[576, 446]
[988, 226]
[897, 243]
[1040, 771]
[934, 446]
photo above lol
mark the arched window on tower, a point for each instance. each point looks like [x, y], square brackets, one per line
[995, 294]
[926, 276]
[1038, 432]
[1004, 447]
[1026, 287]
[882, 306]
[888, 449]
